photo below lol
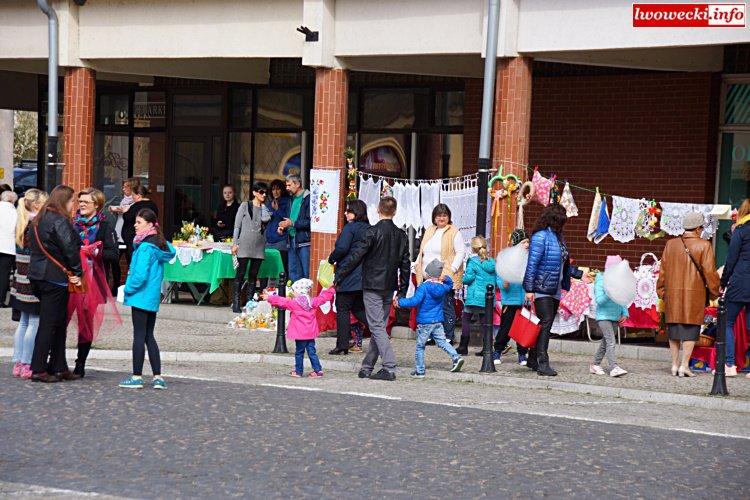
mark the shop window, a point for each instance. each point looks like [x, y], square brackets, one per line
[737, 104]
[352, 111]
[240, 158]
[149, 110]
[449, 108]
[196, 110]
[110, 164]
[385, 109]
[384, 154]
[276, 156]
[734, 179]
[148, 160]
[242, 108]
[43, 111]
[113, 109]
[279, 109]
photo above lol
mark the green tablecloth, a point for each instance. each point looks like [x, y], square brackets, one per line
[216, 266]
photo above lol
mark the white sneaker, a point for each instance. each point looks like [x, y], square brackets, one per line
[596, 370]
[617, 372]
[730, 371]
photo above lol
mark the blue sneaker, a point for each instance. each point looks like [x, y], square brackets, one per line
[457, 364]
[416, 374]
[522, 359]
[496, 355]
[132, 383]
[159, 383]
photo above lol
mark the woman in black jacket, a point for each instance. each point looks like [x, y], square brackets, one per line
[52, 236]
[225, 214]
[98, 252]
[736, 280]
[349, 291]
[140, 195]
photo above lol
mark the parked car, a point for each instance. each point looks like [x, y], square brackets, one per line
[24, 177]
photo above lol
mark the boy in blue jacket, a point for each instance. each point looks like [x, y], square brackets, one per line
[428, 299]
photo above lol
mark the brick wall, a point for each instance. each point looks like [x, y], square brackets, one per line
[78, 127]
[649, 135]
[331, 100]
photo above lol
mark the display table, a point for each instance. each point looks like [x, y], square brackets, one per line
[741, 343]
[214, 266]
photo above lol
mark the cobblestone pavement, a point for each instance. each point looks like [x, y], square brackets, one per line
[341, 437]
[187, 336]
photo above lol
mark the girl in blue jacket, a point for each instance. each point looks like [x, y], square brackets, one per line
[143, 295]
[480, 272]
[608, 315]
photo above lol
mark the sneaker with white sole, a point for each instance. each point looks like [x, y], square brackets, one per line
[132, 383]
[596, 370]
[522, 359]
[159, 383]
[730, 371]
[416, 374]
[617, 372]
[457, 365]
[497, 358]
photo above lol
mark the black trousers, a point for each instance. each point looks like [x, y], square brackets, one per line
[49, 345]
[347, 302]
[506, 321]
[252, 275]
[143, 338]
[116, 273]
[546, 309]
[6, 266]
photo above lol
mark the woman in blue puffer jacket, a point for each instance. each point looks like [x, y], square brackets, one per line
[548, 272]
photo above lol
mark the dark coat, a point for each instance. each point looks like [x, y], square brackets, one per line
[226, 214]
[547, 259]
[106, 234]
[272, 235]
[61, 241]
[351, 234]
[736, 275]
[128, 219]
[383, 253]
[302, 224]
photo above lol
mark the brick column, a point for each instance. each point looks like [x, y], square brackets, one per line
[78, 127]
[510, 141]
[331, 105]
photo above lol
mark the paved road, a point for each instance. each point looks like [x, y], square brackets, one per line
[212, 438]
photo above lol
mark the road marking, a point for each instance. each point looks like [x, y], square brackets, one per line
[475, 406]
[24, 490]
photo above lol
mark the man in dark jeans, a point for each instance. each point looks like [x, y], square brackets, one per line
[384, 254]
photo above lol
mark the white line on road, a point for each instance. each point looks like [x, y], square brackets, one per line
[368, 395]
[295, 387]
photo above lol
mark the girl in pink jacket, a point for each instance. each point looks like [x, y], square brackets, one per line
[303, 327]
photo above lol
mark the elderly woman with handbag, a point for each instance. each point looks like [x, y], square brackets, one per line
[687, 280]
[55, 268]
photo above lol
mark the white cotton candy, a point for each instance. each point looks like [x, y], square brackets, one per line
[511, 264]
[619, 283]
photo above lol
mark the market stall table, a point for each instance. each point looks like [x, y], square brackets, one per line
[211, 265]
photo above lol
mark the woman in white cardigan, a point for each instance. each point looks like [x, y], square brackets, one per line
[8, 217]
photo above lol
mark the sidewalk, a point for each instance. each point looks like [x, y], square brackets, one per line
[193, 341]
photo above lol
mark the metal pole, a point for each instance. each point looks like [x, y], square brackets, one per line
[280, 346]
[488, 99]
[488, 366]
[50, 170]
[719, 387]
[412, 233]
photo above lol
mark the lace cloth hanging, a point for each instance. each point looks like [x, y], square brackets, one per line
[672, 214]
[625, 213]
[645, 282]
[369, 193]
[542, 187]
[567, 201]
[430, 196]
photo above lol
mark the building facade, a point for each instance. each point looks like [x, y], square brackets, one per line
[191, 95]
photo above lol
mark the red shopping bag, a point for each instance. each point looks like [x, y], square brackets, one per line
[525, 328]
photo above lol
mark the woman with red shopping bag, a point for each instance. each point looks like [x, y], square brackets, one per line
[548, 272]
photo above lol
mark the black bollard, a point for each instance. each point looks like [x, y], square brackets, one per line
[489, 305]
[280, 346]
[720, 380]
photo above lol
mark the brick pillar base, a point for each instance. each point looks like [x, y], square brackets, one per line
[510, 140]
[331, 105]
[78, 127]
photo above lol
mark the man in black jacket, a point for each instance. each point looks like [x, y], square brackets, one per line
[383, 252]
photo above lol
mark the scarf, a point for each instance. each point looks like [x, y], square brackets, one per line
[139, 237]
[743, 220]
[88, 227]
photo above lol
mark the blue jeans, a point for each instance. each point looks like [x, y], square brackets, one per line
[733, 310]
[449, 315]
[23, 340]
[424, 332]
[299, 262]
[299, 356]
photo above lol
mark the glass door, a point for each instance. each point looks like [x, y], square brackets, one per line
[196, 179]
[734, 180]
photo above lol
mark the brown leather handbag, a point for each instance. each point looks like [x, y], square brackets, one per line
[80, 288]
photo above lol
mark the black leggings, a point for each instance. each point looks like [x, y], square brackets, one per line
[143, 335]
[49, 345]
[252, 275]
[347, 302]
[506, 321]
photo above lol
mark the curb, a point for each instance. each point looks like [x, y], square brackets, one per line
[704, 402]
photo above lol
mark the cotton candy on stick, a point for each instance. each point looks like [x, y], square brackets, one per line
[511, 264]
[620, 283]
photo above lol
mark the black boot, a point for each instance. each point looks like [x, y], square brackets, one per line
[463, 346]
[83, 354]
[531, 360]
[543, 368]
[236, 296]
